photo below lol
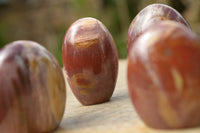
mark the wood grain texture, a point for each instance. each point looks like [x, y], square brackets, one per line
[115, 116]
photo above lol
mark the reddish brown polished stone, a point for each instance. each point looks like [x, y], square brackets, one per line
[32, 89]
[164, 76]
[149, 16]
[90, 60]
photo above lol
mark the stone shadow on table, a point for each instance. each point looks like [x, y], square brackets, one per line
[115, 111]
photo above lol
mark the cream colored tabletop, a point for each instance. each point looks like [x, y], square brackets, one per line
[115, 116]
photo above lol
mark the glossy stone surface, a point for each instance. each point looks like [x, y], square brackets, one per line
[164, 76]
[149, 16]
[90, 60]
[32, 89]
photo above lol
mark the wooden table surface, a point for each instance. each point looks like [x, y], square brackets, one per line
[115, 116]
